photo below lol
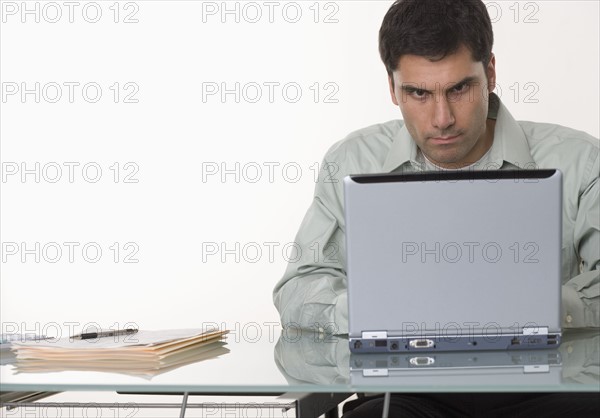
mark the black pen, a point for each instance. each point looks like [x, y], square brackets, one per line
[101, 334]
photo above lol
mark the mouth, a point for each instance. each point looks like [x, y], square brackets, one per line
[444, 139]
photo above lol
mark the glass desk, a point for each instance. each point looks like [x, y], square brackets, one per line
[321, 370]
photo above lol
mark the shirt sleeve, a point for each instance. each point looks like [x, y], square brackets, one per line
[581, 294]
[312, 293]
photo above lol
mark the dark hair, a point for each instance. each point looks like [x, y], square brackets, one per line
[434, 29]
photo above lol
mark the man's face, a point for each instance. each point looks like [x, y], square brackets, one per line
[444, 104]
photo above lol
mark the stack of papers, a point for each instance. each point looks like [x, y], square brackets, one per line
[145, 353]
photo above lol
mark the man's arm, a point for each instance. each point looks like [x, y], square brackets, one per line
[581, 294]
[312, 293]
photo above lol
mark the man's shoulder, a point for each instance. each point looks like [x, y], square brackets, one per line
[542, 135]
[574, 152]
[374, 140]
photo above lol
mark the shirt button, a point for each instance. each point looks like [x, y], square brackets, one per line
[569, 319]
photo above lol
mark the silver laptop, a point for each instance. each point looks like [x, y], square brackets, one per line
[443, 261]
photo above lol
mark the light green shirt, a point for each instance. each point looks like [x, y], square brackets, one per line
[312, 292]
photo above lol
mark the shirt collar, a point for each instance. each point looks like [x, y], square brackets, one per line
[510, 145]
[509, 149]
[402, 151]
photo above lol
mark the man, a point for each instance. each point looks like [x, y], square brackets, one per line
[442, 73]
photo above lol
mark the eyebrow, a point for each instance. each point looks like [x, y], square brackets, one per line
[410, 88]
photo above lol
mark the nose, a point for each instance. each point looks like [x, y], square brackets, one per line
[443, 116]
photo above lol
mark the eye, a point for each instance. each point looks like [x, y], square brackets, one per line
[460, 88]
[418, 94]
[456, 92]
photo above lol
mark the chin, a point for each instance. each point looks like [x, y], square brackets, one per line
[449, 155]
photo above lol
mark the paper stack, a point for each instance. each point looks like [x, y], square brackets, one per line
[145, 353]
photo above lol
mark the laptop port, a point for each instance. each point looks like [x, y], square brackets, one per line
[515, 341]
[550, 342]
[394, 346]
[380, 343]
[357, 345]
[424, 343]
[422, 361]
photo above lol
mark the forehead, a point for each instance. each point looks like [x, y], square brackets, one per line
[450, 69]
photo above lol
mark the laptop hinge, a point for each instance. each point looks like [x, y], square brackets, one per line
[374, 335]
[535, 331]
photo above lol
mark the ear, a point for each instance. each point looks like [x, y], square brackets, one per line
[392, 89]
[490, 72]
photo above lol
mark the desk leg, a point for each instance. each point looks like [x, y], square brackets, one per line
[313, 405]
[184, 405]
[386, 405]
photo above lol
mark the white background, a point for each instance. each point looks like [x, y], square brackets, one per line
[546, 51]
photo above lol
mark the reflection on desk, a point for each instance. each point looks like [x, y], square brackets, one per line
[315, 358]
[308, 363]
